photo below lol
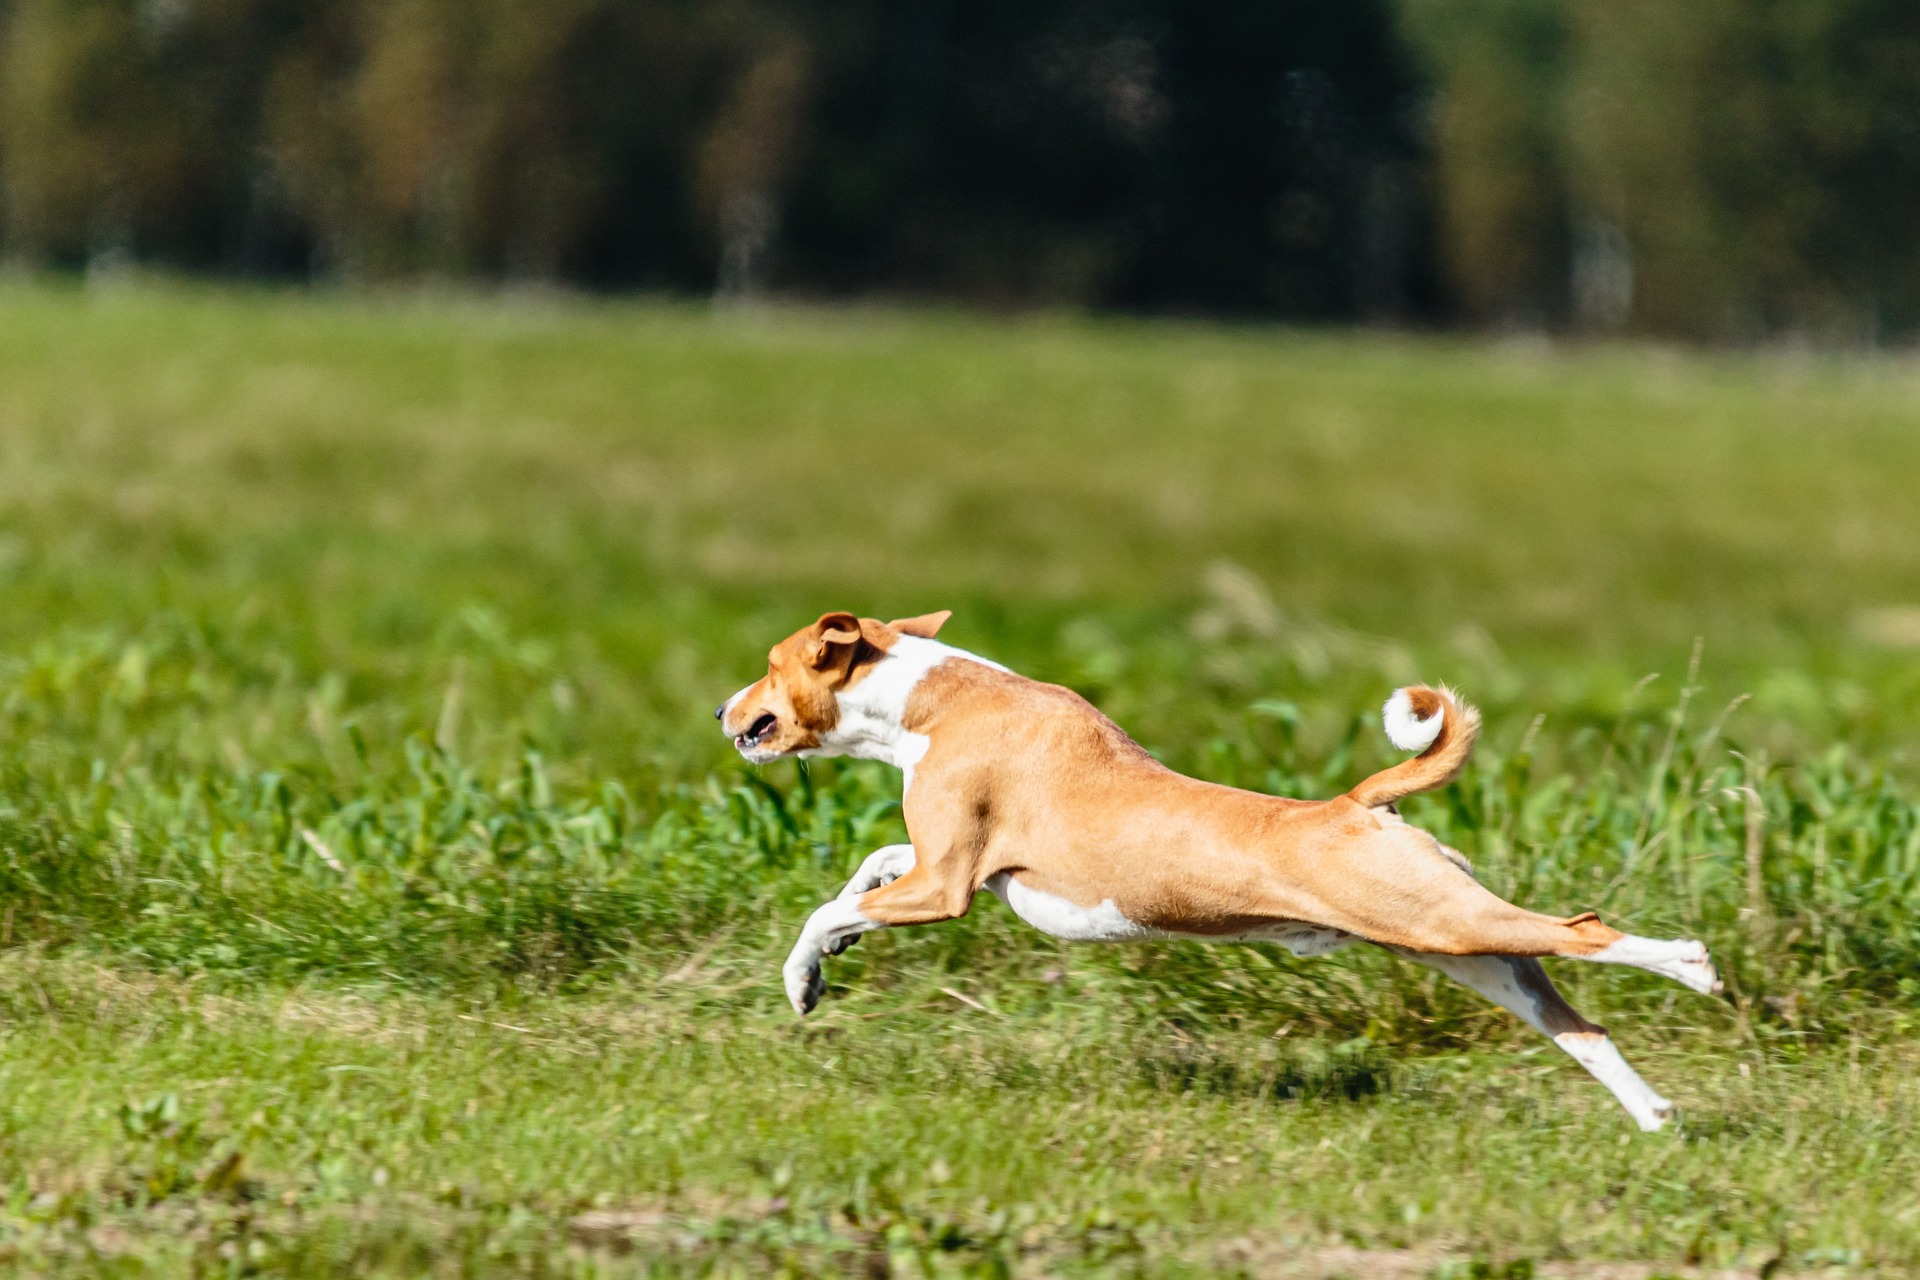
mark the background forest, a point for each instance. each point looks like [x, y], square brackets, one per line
[1727, 169]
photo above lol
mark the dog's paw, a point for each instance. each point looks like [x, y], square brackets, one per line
[839, 945]
[805, 985]
[1695, 969]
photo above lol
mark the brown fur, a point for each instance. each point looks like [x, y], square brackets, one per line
[1031, 780]
[1435, 767]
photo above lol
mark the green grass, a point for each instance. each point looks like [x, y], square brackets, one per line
[347, 1133]
[378, 894]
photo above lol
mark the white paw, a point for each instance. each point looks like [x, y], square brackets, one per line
[805, 985]
[1693, 968]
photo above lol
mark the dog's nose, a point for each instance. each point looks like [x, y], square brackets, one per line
[720, 712]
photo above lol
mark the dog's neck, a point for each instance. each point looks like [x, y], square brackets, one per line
[873, 710]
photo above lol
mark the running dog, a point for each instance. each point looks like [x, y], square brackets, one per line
[1025, 790]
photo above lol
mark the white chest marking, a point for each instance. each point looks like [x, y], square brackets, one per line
[1104, 923]
[872, 711]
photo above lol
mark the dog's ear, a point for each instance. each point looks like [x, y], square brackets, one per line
[835, 636]
[926, 626]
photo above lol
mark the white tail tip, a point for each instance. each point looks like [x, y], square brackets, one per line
[1405, 729]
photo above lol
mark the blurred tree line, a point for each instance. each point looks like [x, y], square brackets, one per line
[1722, 168]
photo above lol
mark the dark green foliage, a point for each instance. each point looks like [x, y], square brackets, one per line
[1225, 155]
[1729, 169]
[1726, 169]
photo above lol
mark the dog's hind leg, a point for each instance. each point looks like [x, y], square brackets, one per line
[1504, 929]
[1683, 960]
[1519, 984]
[1404, 889]
[1487, 925]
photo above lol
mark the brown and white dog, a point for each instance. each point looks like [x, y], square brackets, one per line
[1025, 790]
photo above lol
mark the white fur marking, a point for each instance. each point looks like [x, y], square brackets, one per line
[1596, 1053]
[1303, 940]
[1684, 961]
[1064, 919]
[1491, 976]
[882, 866]
[834, 921]
[1104, 922]
[871, 711]
[1406, 730]
[1494, 978]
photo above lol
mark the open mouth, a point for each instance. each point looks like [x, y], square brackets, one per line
[757, 730]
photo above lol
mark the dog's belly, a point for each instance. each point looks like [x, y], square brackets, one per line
[1298, 937]
[1105, 923]
[1064, 919]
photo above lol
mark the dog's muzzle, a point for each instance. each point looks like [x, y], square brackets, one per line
[755, 732]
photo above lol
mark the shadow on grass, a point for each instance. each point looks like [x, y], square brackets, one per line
[1353, 1070]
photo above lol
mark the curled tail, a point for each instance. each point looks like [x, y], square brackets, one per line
[1433, 722]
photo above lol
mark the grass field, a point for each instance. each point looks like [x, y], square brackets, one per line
[377, 896]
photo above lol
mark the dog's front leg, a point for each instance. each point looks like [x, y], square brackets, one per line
[828, 931]
[918, 896]
[882, 866]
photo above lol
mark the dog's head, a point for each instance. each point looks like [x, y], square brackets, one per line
[791, 708]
